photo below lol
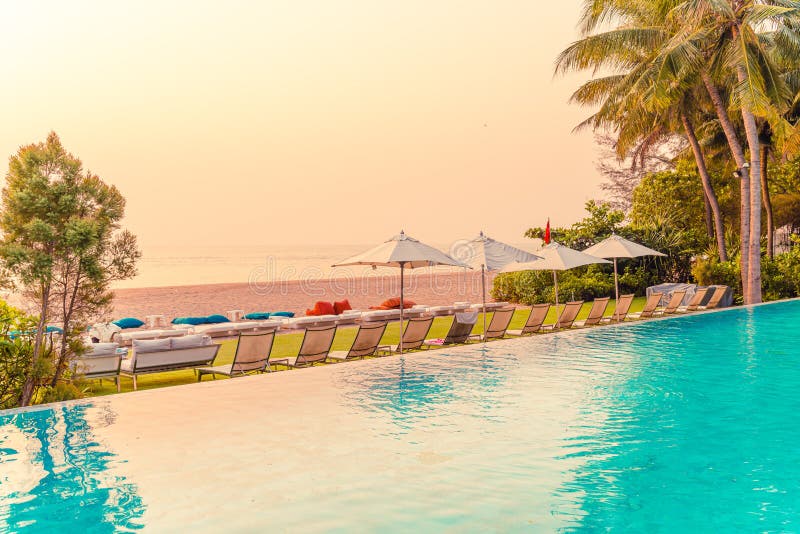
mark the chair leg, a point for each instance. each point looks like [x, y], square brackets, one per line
[134, 383]
[117, 380]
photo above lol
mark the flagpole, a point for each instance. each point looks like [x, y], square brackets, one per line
[483, 289]
[555, 284]
[402, 267]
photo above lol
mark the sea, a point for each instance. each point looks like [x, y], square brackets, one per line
[184, 265]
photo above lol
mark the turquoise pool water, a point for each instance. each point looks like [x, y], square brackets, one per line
[678, 425]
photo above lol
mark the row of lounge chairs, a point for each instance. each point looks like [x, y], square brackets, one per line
[254, 350]
[317, 342]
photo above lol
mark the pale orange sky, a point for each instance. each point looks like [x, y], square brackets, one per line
[231, 123]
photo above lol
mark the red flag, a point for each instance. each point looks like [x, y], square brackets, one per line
[547, 232]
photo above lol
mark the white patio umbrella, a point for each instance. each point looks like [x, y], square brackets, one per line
[618, 247]
[555, 257]
[404, 252]
[491, 255]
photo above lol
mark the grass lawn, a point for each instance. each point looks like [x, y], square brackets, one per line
[289, 344]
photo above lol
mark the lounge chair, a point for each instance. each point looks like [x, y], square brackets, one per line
[694, 302]
[366, 343]
[127, 338]
[498, 325]
[315, 347]
[101, 361]
[620, 310]
[716, 298]
[252, 356]
[380, 315]
[650, 306]
[460, 330]
[596, 313]
[413, 336]
[567, 316]
[169, 354]
[535, 320]
[309, 321]
[490, 306]
[675, 300]
[223, 330]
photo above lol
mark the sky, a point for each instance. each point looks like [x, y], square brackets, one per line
[306, 122]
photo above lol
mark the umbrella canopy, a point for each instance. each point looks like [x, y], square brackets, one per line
[404, 252]
[491, 255]
[555, 257]
[618, 247]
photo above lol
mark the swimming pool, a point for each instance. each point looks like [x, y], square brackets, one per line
[685, 423]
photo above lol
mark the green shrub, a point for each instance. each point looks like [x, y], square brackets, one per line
[711, 271]
[533, 287]
[61, 392]
[16, 354]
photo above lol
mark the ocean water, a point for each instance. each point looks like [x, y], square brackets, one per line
[180, 265]
[677, 425]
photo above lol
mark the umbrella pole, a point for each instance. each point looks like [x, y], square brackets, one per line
[555, 284]
[402, 298]
[616, 285]
[483, 289]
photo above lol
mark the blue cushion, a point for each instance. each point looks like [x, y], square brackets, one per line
[282, 314]
[216, 318]
[189, 320]
[128, 322]
[257, 316]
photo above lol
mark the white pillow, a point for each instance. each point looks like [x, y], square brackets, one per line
[154, 345]
[102, 349]
[189, 342]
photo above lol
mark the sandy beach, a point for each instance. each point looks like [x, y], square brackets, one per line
[296, 295]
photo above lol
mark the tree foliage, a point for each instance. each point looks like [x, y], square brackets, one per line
[62, 244]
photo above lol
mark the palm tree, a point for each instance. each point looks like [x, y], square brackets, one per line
[629, 105]
[728, 37]
[721, 43]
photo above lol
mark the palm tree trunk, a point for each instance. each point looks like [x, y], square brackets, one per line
[767, 201]
[753, 295]
[741, 163]
[708, 189]
[708, 217]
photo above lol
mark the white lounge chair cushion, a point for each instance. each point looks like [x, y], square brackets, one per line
[142, 346]
[188, 342]
[153, 334]
[101, 349]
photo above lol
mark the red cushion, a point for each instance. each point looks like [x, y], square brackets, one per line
[341, 306]
[394, 302]
[311, 312]
[324, 308]
[379, 308]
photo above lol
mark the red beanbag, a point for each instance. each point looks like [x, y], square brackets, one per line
[341, 306]
[321, 308]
